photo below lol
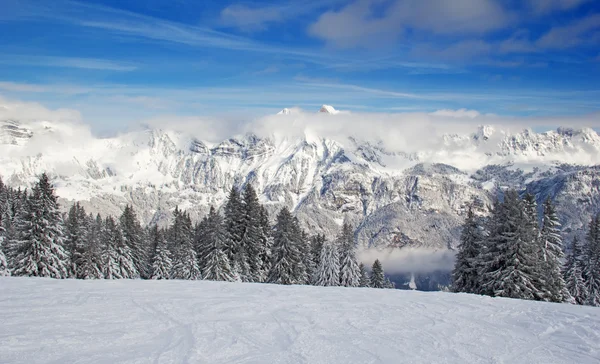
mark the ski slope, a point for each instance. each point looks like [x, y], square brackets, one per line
[132, 321]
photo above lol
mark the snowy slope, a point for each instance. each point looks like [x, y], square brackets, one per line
[67, 321]
[395, 197]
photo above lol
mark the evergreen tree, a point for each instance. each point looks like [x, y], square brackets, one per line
[216, 265]
[234, 225]
[286, 258]
[267, 244]
[389, 284]
[300, 240]
[40, 237]
[161, 263]
[76, 235]
[185, 261]
[135, 239]
[12, 213]
[531, 233]
[553, 255]
[316, 245]
[465, 276]
[4, 271]
[253, 240]
[592, 263]
[364, 276]
[511, 264]
[201, 240]
[349, 271]
[377, 275]
[116, 256]
[573, 274]
[88, 257]
[329, 268]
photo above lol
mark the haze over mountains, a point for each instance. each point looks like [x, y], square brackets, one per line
[403, 183]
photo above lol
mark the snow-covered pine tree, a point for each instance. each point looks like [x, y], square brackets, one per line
[253, 240]
[365, 280]
[153, 235]
[513, 262]
[591, 272]
[76, 235]
[286, 258]
[377, 275]
[300, 238]
[89, 262]
[11, 216]
[234, 224]
[161, 262]
[185, 261]
[531, 233]
[488, 260]
[267, 238]
[135, 238]
[308, 264]
[553, 255]
[573, 274]
[389, 284]
[215, 262]
[316, 245]
[349, 272]
[40, 235]
[329, 265]
[4, 271]
[116, 256]
[465, 276]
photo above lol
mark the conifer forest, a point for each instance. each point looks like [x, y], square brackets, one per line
[237, 244]
[510, 251]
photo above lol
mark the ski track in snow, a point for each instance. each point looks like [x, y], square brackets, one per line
[133, 321]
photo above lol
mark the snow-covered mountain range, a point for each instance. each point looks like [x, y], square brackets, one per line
[395, 197]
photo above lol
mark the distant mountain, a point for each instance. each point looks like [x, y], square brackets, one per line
[394, 198]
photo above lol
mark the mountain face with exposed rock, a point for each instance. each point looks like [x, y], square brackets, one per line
[393, 198]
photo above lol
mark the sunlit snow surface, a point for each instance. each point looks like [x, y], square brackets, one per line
[53, 321]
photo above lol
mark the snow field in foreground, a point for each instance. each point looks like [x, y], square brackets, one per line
[134, 321]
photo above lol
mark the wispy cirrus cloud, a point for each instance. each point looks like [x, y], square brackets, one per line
[67, 62]
[123, 23]
[585, 30]
[548, 6]
[257, 17]
[21, 87]
[251, 19]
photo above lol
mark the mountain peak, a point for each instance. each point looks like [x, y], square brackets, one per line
[484, 132]
[328, 109]
[285, 111]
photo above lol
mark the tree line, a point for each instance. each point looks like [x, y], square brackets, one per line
[36, 239]
[510, 253]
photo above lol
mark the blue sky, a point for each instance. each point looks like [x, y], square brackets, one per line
[123, 61]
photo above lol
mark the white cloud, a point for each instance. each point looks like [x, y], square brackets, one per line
[570, 35]
[123, 23]
[259, 17]
[548, 6]
[460, 113]
[67, 62]
[409, 260]
[518, 42]
[359, 24]
[250, 19]
[21, 87]
[267, 70]
[462, 50]
[24, 111]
